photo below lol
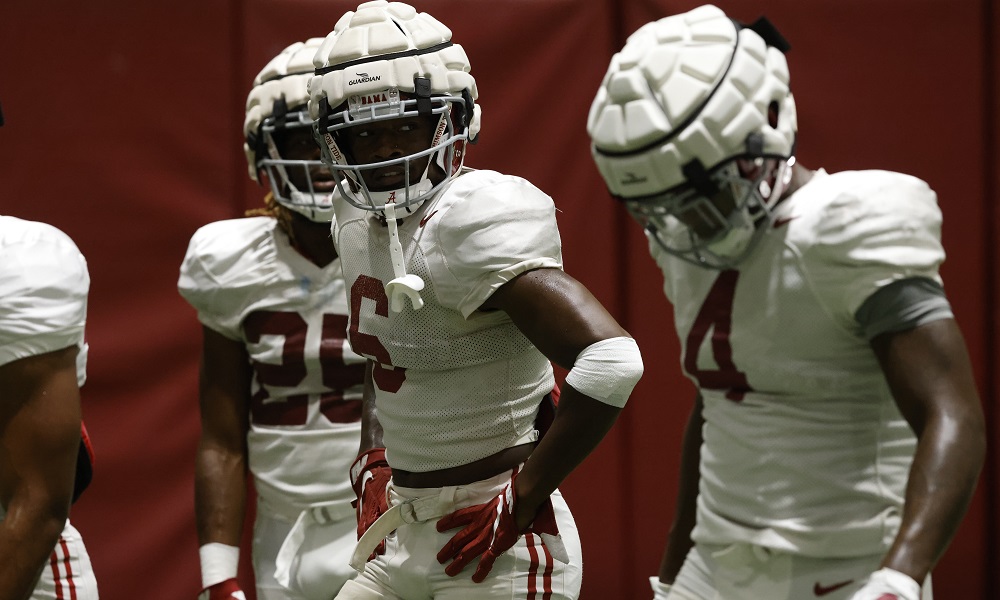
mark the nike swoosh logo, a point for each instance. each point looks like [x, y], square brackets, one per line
[821, 590]
[782, 221]
[427, 218]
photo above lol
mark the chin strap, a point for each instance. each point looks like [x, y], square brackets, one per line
[373, 199]
[404, 285]
[404, 194]
[315, 207]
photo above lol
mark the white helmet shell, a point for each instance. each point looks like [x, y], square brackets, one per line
[286, 77]
[283, 86]
[389, 43]
[375, 53]
[690, 87]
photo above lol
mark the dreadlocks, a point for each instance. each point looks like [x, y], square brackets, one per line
[276, 211]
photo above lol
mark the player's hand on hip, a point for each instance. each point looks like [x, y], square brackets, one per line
[489, 529]
[370, 476]
[888, 584]
[224, 590]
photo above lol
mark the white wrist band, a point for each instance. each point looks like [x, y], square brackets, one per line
[607, 370]
[900, 583]
[219, 562]
[660, 590]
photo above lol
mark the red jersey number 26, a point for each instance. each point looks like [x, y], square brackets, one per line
[337, 376]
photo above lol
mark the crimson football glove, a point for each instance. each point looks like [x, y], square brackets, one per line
[888, 584]
[489, 530]
[224, 590]
[370, 475]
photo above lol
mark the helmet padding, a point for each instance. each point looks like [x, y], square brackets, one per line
[277, 103]
[691, 87]
[386, 60]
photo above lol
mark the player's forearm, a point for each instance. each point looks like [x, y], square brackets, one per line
[371, 435]
[20, 572]
[27, 538]
[679, 540]
[371, 429]
[942, 479]
[579, 426]
[220, 495]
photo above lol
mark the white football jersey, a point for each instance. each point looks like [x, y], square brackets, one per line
[804, 448]
[453, 384]
[44, 284]
[249, 284]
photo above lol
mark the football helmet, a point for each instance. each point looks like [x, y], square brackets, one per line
[277, 109]
[387, 61]
[694, 128]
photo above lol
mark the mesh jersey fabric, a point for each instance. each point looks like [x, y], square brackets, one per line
[249, 284]
[804, 448]
[453, 384]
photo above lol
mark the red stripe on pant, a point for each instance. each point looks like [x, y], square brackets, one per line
[54, 560]
[533, 569]
[547, 576]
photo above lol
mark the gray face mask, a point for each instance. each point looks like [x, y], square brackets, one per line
[717, 225]
[443, 156]
[306, 198]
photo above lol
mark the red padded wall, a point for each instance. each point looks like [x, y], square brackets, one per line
[123, 129]
[990, 135]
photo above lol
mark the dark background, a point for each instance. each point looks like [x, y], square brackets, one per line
[124, 130]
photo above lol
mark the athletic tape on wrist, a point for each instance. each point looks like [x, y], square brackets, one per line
[607, 370]
[660, 590]
[899, 583]
[219, 562]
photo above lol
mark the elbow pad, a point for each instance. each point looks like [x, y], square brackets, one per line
[607, 370]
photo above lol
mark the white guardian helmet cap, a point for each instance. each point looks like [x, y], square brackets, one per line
[387, 61]
[694, 128]
[277, 103]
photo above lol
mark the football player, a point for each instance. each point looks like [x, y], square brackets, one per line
[458, 301]
[44, 284]
[837, 435]
[279, 386]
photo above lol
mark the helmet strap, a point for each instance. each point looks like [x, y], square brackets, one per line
[404, 285]
[696, 174]
[422, 90]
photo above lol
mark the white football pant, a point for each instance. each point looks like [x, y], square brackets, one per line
[321, 566]
[409, 568]
[68, 575]
[750, 572]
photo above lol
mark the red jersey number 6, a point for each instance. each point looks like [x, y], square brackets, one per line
[387, 378]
